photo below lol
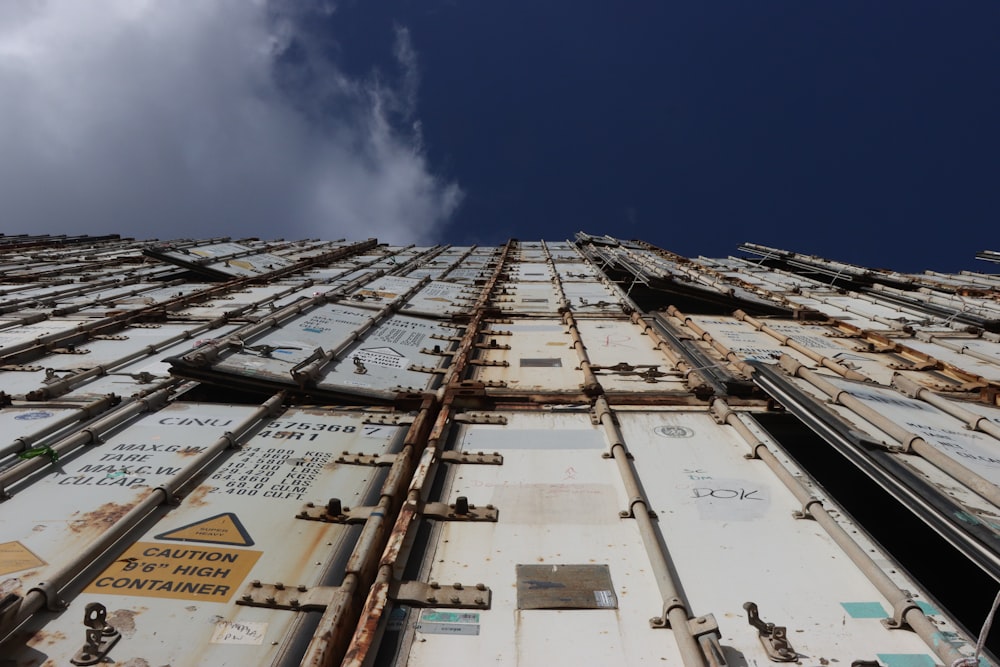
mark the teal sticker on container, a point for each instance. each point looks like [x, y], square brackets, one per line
[906, 659]
[864, 609]
[928, 609]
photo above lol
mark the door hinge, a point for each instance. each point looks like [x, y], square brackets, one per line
[280, 596]
[411, 593]
[428, 369]
[361, 459]
[386, 419]
[448, 596]
[480, 458]
[479, 418]
[334, 511]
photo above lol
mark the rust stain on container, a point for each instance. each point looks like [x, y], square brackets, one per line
[197, 497]
[134, 662]
[123, 620]
[98, 519]
[46, 638]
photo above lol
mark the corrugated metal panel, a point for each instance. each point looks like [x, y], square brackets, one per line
[586, 478]
[174, 585]
[625, 359]
[232, 259]
[433, 298]
[23, 425]
[338, 348]
[952, 485]
[242, 302]
[119, 364]
[978, 356]
[561, 505]
[28, 333]
[540, 357]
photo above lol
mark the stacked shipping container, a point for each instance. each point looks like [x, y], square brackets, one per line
[242, 452]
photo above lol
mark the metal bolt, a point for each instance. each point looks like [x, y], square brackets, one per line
[432, 599]
[255, 583]
[294, 602]
[455, 599]
[435, 585]
[481, 587]
[480, 601]
[279, 586]
[300, 588]
[271, 599]
[457, 586]
[248, 598]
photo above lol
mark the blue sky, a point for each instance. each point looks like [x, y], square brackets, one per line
[865, 132]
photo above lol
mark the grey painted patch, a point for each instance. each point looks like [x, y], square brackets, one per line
[504, 438]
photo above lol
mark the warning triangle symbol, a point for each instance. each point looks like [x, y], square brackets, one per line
[219, 529]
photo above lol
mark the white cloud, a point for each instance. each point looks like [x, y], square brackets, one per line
[224, 117]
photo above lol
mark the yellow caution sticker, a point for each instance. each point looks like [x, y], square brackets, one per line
[15, 557]
[219, 529]
[151, 569]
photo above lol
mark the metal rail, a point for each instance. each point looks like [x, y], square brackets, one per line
[15, 610]
[88, 434]
[371, 625]
[904, 607]
[700, 651]
[910, 441]
[973, 420]
[978, 543]
[788, 341]
[81, 414]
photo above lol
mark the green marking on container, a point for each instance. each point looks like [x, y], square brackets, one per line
[864, 609]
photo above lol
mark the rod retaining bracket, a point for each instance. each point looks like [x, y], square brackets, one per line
[805, 512]
[899, 611]
[663, 621]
